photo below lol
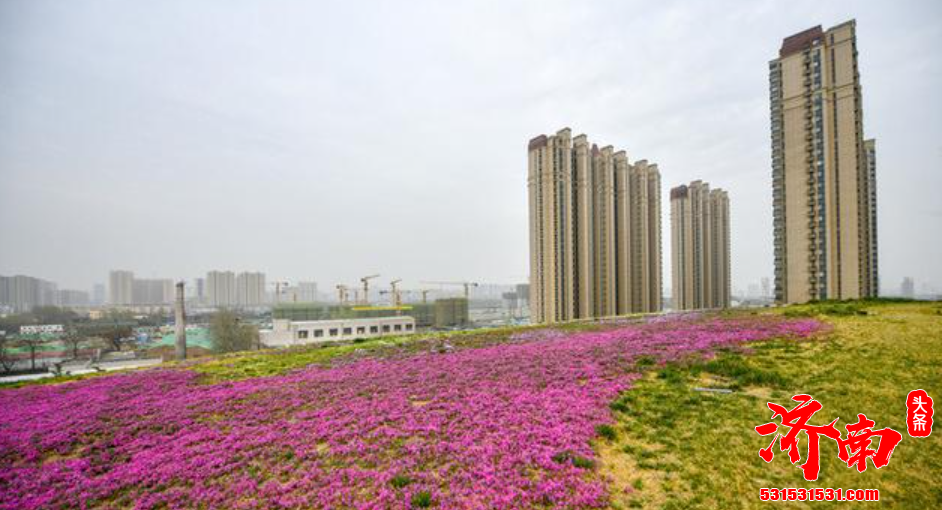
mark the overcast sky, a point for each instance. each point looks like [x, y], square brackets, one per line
[329, 140]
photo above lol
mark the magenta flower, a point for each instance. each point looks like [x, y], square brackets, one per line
[494, 427]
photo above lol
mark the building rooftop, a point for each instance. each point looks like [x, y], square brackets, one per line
[800, 41]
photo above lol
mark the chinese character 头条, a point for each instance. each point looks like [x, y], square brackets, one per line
[919, 413]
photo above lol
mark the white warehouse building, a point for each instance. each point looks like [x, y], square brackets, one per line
[285, 333]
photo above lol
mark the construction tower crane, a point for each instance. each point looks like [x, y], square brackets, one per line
[396, 294]
[425, 295]
[366, 288]
[467, 286]
[342, 294]
[280, 288]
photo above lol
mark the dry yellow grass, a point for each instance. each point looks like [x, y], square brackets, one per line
[693, 449]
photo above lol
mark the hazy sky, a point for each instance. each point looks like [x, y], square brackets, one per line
[328, 140]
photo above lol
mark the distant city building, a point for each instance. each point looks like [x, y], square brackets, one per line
[146, 292]
[125, 290]
[98, 294]
[753, 291]
[69, 297]
[766, 288]
[200, 290]
[700, 247]
[823, 171]
[908, 288]
[307, 292]
[595, 230]
[23, 293]
[220, 288]
[303, 292]
[250, 289]
[121, 288]
[227, 289]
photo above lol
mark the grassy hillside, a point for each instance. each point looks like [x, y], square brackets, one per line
[681, 448]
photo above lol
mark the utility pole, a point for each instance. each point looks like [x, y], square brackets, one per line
[180, 323]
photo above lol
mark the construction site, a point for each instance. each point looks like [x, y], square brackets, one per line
[438, 305]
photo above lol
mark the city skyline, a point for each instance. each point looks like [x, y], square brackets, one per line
[243, 113]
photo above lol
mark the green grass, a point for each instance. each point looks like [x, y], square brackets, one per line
[400, 481]
[606, 431]
[681, 448]
[421, 500]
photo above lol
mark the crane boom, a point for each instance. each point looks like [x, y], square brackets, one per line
[366, 288]
[467, 286]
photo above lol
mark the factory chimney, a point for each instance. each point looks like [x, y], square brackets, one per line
[180, 324]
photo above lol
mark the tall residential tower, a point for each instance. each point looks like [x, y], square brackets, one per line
[699, 247]
[595, 230]
[823, 172]
[121, 288]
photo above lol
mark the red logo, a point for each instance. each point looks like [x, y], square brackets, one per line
[855, 450]
[919, 413]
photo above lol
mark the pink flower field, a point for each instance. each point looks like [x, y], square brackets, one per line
[502, 426]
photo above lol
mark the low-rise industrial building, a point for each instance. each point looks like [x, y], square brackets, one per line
[441, 314]
[39, 329]
[285, 333]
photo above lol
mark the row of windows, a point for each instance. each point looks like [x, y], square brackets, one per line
[304, 334]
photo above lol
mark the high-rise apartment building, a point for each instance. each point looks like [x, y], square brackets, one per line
[98, 294]
[121, 288]
[699, 247]
[23, 293]
[70, 297]
[149, 292]
[908, 288]
[307, 292]
[595, 230]
[870, 153]
[200, 290]
[823, 172]
[124, 289]
[250, 289]
[220, 288]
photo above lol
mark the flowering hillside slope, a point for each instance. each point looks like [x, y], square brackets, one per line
[501, 426]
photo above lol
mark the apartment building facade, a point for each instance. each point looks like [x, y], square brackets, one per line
[152, 291]
[595, 243]
[121, 288]
[700, 261]
[22, 293]
[823, 171]
[220, 289]
[250, 289]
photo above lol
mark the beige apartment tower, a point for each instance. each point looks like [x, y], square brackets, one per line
[700, 276]
[595, 223]
[823, 171]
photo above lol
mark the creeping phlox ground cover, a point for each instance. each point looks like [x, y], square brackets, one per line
[502, 426]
